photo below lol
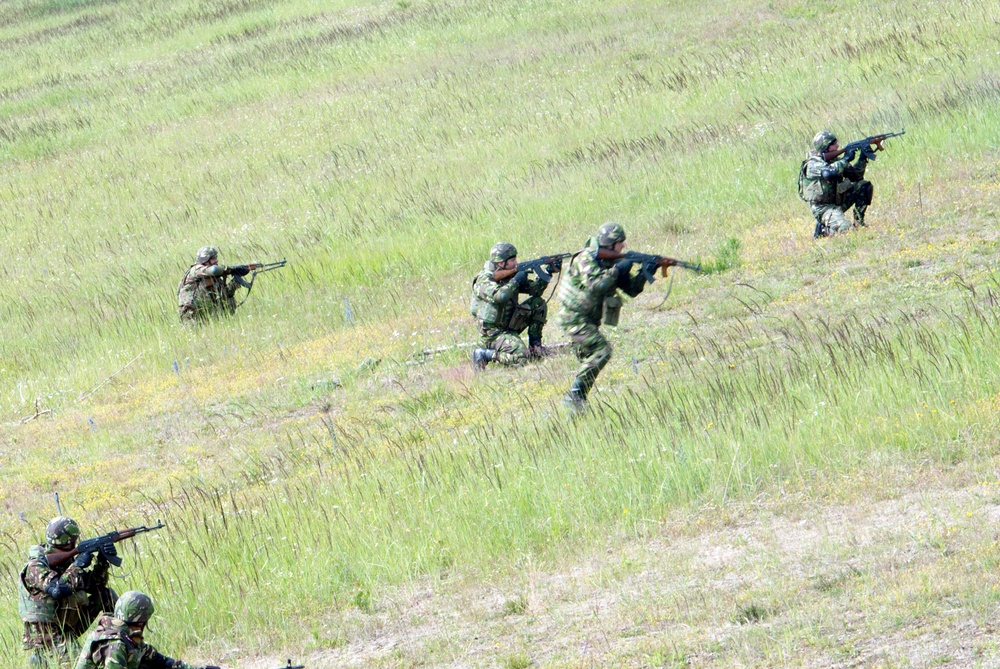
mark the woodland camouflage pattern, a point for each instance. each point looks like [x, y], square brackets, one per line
[109, 646]
[204, 291]
[52, 627]
[830, 198]
[586, 286]
[502, 318]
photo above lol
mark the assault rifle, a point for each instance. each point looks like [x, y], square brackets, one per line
[290, 666]
[543, 267]
[102, 545]
[648, 262]
[864, 146]
[255, 269]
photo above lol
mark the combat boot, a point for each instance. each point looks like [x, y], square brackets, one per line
[820, 230]
[481, 357]
[575, 399]
[859, 216]
[536, 350]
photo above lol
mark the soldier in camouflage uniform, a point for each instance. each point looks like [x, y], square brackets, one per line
[590, 283]
[58, 602]
[833, 187]
[116, 642]
[204, 291]
[501, 317]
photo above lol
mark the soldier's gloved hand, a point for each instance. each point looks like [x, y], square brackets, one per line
[649, 269]
[83, 560]
[555, 266]
[521, 278]
[849, 155]
[623, 267]
[239, 270]
[58, 589]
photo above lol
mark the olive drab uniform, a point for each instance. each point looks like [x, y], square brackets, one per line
[52, 626]
[589, 288]
[502, 318]
[205, 291]
[833, 187]
[109, 646]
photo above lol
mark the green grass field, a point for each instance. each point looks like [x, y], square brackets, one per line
[790, 463]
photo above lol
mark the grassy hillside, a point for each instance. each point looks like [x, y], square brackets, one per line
[312, 463]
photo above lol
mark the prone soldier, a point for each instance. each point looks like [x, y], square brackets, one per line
[117, 641]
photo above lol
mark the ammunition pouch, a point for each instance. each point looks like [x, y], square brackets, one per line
[519, 318]
[611, 309]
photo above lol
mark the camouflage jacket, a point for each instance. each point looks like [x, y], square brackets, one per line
[109, 646]
[494, 302]
[819, 191]
[587, 283]
[35, 605]
[205, 288]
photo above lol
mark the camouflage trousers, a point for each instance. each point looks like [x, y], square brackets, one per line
[506, 343]
[592, 350]
[48, 647]
[831, 218]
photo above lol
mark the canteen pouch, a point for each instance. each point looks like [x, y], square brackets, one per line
[612, 309]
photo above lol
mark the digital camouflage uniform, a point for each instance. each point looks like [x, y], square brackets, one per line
[831, 188]
[58, 603]
[109, 646]
[502, 319]
[205, 290]
[588, 283]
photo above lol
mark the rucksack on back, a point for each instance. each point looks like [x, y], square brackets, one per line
[802, 181]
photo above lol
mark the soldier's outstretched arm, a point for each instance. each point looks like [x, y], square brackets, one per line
[206, 271]
[154, 659]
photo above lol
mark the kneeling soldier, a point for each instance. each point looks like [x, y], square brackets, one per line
[205, 291]
[502, 318]
[57, 602]
[832, 185]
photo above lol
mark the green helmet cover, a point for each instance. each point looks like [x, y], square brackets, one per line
[61, 531]
[823, 140]
[206, 253]
[134, 607]
[610, 234]
[502, 251]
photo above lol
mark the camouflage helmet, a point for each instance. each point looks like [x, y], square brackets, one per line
[62, 531]
[823, 140]
[502, 251]
[206, 253]
[134, 607]
[610, 234]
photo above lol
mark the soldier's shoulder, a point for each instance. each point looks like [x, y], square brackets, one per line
[38, 554]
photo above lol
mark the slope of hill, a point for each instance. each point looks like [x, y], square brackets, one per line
[784, 464]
